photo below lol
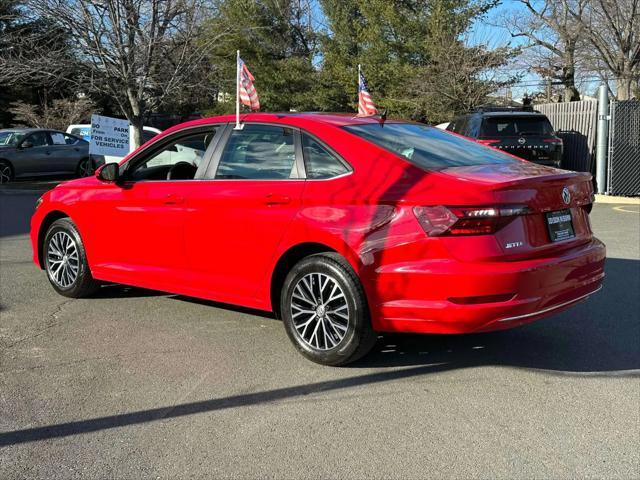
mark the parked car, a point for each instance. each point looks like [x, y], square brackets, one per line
[345, 227]
[33, 152]
[525, 133]
[83, 130]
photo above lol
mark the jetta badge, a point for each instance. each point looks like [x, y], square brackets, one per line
[522, 140]
[566, 196]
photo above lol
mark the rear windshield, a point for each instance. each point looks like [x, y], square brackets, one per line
[428, 147]
[515, 126]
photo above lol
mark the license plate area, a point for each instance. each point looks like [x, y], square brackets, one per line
[560, 225]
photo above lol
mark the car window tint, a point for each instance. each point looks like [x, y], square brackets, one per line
[516, 126]
[38, 139]
[260, 152]
[320, 162]
[10, 138]
[187, 150]
[428, 147]
[148, 135]
[58, 138]
[71, 140]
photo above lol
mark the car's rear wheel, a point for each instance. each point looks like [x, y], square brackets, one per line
[6, 172]
[325, 311]
[85, 168]
[65, 261]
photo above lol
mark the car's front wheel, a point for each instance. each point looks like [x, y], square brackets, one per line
[6, 172]
[324, 309]
[85, 168]
[65, 260]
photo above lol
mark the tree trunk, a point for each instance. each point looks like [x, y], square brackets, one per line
[623, 85]
[570, 93]
[136, 129]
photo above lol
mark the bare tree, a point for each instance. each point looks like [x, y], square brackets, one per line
[554, 35]
[59, 114]
[613, 29]
[138, 52]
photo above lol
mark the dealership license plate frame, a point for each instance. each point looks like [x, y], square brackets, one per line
[560, 229]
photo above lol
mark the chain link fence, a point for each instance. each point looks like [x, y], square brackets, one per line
[624, 148]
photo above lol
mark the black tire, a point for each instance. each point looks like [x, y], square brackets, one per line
[359, 337]
[6, 172]
[83, 284]
[85, 168]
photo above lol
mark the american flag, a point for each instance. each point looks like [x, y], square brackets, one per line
[366, 107]
[248, 94]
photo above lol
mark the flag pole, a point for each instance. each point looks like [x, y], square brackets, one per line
[238, 126]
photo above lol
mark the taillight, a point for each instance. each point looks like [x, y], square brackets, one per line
[442, 221]
[487, 142]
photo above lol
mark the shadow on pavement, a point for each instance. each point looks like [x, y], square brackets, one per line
[600, 337]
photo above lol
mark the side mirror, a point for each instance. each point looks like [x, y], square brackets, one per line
[109, 172]
[26, 144]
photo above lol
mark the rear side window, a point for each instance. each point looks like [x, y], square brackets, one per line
[428, 147]
[319, 162]
[259, 152]
[515, 126]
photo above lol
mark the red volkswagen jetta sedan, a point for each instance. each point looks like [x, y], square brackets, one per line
[345, 227]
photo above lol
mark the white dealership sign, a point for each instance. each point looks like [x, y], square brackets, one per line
[109, 136]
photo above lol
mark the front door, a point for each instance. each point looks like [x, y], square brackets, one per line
[138, 228]
[239, 215]
[34, 155]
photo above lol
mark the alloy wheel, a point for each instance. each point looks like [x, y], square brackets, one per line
[320, 311]
[63, 259]
[5, 173]
[84, 169]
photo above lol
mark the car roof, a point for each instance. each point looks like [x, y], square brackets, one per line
[29, 130]
[293, 119]
[512, 114]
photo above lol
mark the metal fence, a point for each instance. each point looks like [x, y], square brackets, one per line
[575, 123]
[624, 148]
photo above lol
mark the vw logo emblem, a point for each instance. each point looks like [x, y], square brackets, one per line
[522, 140]
[566, 195]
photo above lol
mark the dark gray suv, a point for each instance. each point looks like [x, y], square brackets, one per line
[32, 152]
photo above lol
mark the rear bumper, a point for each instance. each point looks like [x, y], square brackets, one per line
[445, 296]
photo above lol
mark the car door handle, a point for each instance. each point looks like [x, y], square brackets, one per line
[173, 199]
[273, 199]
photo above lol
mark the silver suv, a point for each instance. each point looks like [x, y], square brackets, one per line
[33, 152]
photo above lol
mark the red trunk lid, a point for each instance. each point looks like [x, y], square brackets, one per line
[543, 190]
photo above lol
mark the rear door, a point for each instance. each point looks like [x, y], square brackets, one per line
[66, 151]
[239, 214]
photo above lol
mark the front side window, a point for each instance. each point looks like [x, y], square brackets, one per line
[178, 160]
[259, 152]
[319, 162]
[38, 139]
[428, 147]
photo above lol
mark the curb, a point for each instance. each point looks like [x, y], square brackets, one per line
[618, 200]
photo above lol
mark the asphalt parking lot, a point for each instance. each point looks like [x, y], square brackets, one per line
[141, 384]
